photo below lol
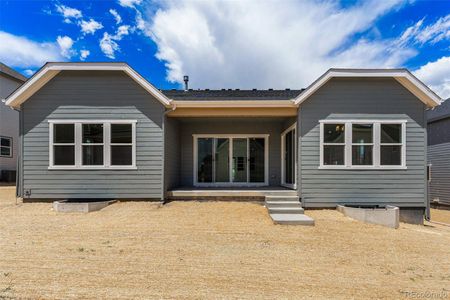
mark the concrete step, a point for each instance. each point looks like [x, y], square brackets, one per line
[292, 219]
[270, 204]
[285, 210]
[282, 198]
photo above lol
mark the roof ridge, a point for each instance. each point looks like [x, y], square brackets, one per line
[11, 72]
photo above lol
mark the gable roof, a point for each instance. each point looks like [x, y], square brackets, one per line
[406, 78]
[11, 73]
[231, 95]
[440, 112]
[224, 97]
[50, 70]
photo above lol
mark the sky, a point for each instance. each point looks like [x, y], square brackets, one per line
[232, 44]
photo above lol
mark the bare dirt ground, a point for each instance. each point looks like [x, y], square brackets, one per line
[440, 215]
[212, 250]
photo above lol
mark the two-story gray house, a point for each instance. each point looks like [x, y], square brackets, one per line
[9, 124]
[439, 154]
[100, 130]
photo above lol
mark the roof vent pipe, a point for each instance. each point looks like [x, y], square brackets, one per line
[186, 81]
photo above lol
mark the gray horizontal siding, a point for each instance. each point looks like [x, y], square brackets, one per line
[172, 154]
[362, 99]
[438, 131]
[93, 96]
[270, 126]
[439, 186]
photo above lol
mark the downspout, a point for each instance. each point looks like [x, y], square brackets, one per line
[427, 183]
[163, 186]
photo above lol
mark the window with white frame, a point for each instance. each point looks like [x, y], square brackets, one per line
[333, 144]
[92, 144]
[5, 146]
[362, 144]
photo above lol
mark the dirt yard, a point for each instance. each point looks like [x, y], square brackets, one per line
[212, 250]
[440, 215]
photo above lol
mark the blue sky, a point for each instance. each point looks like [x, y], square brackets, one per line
[232, 44]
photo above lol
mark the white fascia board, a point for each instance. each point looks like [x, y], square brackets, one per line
[52, 69]
[409, 81]
[235, 103]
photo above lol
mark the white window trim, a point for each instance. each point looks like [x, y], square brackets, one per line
[230, 183]
[283, 161]
[376, 144]
[78, 145]
[10, 147]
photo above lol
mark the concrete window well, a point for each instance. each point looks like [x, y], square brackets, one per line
[388, 216]
[80, 205]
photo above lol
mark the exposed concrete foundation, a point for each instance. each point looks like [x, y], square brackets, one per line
[412, 215]
[83, 207]
[388, 216]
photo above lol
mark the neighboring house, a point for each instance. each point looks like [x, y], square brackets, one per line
[439, 154]
[100, 130]
[9, 124]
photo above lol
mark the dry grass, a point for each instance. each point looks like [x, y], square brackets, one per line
[211, 250]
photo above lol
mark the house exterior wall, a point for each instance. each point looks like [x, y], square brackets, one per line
[93, 95]
[439, 158]
[172, 152]
[439, 131]
[191, 126]
[439, 185]
[362, 98]
[9, 122]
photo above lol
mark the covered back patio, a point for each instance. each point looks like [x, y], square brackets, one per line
[236, 156]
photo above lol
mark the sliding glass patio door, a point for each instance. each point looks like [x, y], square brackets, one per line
[239, 160]
[289, 157]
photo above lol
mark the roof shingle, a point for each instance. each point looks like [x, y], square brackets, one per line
[231, 94]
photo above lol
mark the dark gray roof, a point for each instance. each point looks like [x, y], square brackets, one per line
[11, 73]
[231, 94]
[440, 112]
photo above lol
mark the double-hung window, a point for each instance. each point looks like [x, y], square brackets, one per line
[391, 144]
[333, 146]
[362, 144]
[5, 146]
[92, 144]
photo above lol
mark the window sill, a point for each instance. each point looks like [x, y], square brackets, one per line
[93, 168]
[362, 168]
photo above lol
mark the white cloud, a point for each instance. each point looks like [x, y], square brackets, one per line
[84, 54]
[16, 51]
[65, 43]
[432, 33]
[90, 27]
[436, 32]
[28, 72]
[116, 16]
[436, 75]
[129, 3]
[122, 31]
[68, 13]
[140, 22]
[108, 45]
[262, 44]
